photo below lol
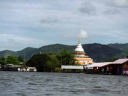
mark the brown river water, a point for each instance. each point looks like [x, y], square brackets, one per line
[61, 84]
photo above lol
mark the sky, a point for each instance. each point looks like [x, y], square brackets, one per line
[35, 23]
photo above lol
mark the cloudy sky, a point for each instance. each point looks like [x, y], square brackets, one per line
[36, 23]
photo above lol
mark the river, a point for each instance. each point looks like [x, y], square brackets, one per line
[61, 84]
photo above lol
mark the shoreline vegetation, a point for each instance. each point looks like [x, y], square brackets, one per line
[43, 62]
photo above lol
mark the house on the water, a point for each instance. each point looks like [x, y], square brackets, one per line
[117, 67]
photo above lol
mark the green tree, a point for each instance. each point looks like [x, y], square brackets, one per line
[20, 59]
[12, 60]
[39, 61]
[53, 63]
[66, 58]
[44, 62]
[3, 62]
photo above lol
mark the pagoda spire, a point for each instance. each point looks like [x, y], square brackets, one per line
[78, 40]
[80, 56]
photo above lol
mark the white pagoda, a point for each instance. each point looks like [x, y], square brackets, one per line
[81, 58]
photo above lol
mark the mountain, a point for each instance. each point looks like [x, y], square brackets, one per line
[6, 53]
[55, 48]
[122, 47]
[26, 53]
[98, 52]
[101, 52]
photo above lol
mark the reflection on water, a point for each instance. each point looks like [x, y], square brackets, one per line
[61, 84]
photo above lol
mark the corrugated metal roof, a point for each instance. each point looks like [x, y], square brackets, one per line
[120, 61]
[71, 67]
[99, 64]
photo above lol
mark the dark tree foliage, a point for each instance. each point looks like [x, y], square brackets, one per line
[53, 63]
[20, 59]
[2, 62]
[50, 62]
[9, 60]
[12, 60]
[43, 62]
[66, 58]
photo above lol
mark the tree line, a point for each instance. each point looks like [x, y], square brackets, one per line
[4, 61]
[51, 62]
[44, 62]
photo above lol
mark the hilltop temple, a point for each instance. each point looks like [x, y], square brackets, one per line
[81, 58]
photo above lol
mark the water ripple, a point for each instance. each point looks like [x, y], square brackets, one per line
[61, 84]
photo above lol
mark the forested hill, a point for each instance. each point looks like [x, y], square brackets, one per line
[98, 52]
[123, 47]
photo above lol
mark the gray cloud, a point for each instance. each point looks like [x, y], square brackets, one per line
[88, 8]
[103, 7]
[111, 12]
[33, 22]
[120, 3]
[15, 42]
[50, 20]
